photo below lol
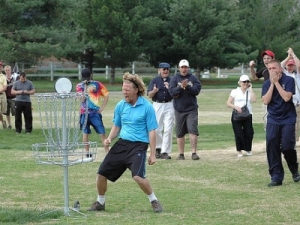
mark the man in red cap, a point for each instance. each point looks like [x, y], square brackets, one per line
[267, 56]
[291, 67]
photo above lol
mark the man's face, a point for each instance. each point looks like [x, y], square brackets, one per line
[22, 79]
[129, 92]
[275, 69]
[184, 70]
[8, 71]
[164, 72]
[267, 59]
[291, 68]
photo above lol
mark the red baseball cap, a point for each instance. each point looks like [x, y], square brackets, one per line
[269, 53]
[290, 62]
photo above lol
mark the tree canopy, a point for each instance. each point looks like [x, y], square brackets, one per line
[209, 33]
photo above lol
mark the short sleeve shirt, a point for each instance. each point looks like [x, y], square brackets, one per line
[136, 120]
[239, 98]
[281, 112]
[95, 90]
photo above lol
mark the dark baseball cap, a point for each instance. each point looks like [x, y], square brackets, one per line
[85, 74]
[164, 65]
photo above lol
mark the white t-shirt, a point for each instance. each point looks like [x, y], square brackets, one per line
[296, 96]
[240, 98]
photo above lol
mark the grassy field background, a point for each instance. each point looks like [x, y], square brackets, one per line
[218, 189]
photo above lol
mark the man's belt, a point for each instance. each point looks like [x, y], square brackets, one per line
[163, 101]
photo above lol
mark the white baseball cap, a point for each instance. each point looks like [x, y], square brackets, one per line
[184, 62]
[244, 77]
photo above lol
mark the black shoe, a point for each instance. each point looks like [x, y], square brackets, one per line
[181, 157]
[195, 156]
[165, 156]
[296, 177]
[157, 208]
[275, 183]
[157, 154]
[96, 206]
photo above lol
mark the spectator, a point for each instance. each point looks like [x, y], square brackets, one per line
[290, 67]
[3, 103]
[9, 96]
[267, 56]
[280, 131]
[243, 130]
[23, 88]
[90, 106]
[135, 123]
[158, 90]
[184, 88]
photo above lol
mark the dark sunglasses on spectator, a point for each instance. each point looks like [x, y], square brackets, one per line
[165, 68]
[246, 81]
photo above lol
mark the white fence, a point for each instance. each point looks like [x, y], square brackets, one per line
[52, 71]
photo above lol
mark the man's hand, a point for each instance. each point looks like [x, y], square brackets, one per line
[151, 159]
[155, 89]
[107, 142]
[184, 83]
[252, 63]
[274, 77]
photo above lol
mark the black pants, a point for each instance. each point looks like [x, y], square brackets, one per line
[243, 133]
[25, 108]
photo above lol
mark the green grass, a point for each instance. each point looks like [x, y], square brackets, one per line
[218, 189]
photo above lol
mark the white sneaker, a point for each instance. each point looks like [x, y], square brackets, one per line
[249, 153]
[240, 155]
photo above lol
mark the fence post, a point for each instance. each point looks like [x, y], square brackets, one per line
[133, 67]
[51, 71]
[106, 71]
[79, 71]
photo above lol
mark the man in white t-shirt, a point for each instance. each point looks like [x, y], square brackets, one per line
[291, 65]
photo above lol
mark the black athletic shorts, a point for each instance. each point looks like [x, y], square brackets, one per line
[122, 155]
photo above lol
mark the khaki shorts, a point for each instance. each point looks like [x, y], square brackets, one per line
[3, 103]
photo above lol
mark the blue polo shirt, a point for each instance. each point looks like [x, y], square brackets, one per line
[279, 111]
[136, 120]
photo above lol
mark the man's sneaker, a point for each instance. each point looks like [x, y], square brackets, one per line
[165, 156]
[249, 153]
[156, 206]
[195, 156]
[96, 206]
[9, 127]
[181, 157]
[157, 153]
[296, 177]
[275, 183]
[4, 124]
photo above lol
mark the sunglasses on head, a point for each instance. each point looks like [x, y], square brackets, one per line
[165, 68]
[246, 81]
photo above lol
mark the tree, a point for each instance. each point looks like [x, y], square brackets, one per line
[271, 24]
[111, 32]
[35, 29]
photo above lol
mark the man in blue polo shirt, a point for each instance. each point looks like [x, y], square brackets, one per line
[135, 123]
[158, 90]
[277, 94]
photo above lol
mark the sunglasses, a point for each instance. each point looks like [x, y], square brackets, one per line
[246, 81]
[165, 68]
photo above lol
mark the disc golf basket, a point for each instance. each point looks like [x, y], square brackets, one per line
[59, 118]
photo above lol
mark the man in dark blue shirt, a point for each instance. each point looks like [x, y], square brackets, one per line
[277, 94]
[158, 90]
[184, 87]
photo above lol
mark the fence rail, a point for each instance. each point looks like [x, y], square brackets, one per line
[53, 72]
